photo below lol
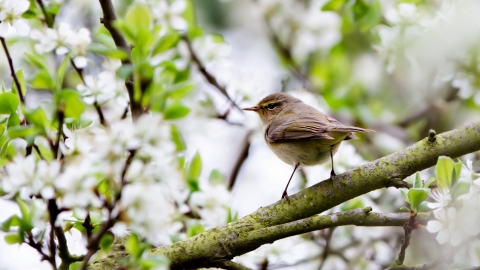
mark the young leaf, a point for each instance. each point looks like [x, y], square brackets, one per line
[429, 182]
[178, 139]
[195, 167]
[165, 42]
[21, 131]
[416, 196]
[21, 80]
[12, 239]
[418, 181]
[133, 246]
[176, 111]
[404, 192]
[8, 103]
[444, 172]
[194, 229]
[106, 242]
[62, 69]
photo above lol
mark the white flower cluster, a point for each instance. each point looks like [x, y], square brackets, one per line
[97, 156]
[458, 222]
[11, 15]
[168, 12]
[306, 28]
[63, 39]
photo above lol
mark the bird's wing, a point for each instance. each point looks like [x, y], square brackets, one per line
[301, 128]
[308, 127]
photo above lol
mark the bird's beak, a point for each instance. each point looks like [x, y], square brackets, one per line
[254, 108]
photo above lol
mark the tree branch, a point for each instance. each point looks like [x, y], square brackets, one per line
[209, 77]
[109, 17]
[290, 217]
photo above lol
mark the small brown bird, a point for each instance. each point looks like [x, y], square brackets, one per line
[299, 134]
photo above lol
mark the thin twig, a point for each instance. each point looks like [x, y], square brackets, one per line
[12, 70]
[409, 226]
[53, 211]
[56, 146]
[44, 11]
[326, 249]
[94, 240]
[108, 19]
[238, 164]
[209, 77]
[229, 265]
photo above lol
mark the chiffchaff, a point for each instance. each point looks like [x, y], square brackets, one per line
[299, 134]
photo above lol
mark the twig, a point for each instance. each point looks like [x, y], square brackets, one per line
[229, 265]
[238, 164]
[108, 19]
[87, 224]
[94, 240]
[56, 146]
[12, 70]
[326, 249]
[63, 253]
[38, 248]
[209, 77]
[409, 226]
[44, 11]
[38, 151]
[53, 211]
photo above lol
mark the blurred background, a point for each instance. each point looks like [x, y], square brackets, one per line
[398, 67]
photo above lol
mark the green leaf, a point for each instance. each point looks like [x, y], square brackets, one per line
[177, 138]
[404, 208]
[75, 266]
[13, 221]
[216, 178]
[418, 181]
[179, 90]
[165, 42]
[125, 71]
[73, 103]
[21, 131]
[62, 69]
[8, 103]
[21, 80]
[106, 242]
[138, 18]
[429, 182]
[404, 192]
[157, 262]
[133, 246]
[176, 111]
[24, 210]
[194, 229]
[42, 80]
[354, 203]
[444, 172]
[195, 168]
[360, 8]
[109, 52]
[73, 123]
[38, 61]
[230, 217]
[416, 196]
[37, 117]
[333, 5]
[457, 170]
[13, 120]
[12, 239]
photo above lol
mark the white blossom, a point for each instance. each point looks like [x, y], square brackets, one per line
[63, 39]
[11, 15]
[170, 13]
[100, 88]
[211, 203]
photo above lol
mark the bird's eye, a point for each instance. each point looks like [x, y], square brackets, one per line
[271, 106]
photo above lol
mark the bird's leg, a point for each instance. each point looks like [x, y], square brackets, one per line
[285, 195]
[332, 173]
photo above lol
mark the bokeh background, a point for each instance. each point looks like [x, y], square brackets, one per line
[398, 67]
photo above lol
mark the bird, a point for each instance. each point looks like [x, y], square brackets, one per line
[299, 134]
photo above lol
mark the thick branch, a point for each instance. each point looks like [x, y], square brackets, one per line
[290, 217]
[109, 17]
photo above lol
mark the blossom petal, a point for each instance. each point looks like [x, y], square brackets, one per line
[178, 23]
[440, 214]
[455, 238]
[443, 236]
[434, 226]
[80, 61]
[4, 27]
[178, 6]
[22, 27]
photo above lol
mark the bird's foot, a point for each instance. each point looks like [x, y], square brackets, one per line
[332, 174]
[284, 195]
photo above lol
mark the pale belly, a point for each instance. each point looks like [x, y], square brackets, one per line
[305, 152]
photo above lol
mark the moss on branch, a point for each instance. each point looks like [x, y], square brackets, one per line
[294, 216]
